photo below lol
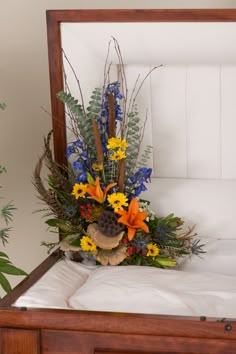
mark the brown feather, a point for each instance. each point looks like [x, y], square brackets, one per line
[46, 196]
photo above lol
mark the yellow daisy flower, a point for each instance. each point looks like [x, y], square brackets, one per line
[153, 250]
[79, 190]
[117, 201]
[118, 155]
[124, 144]
[114, 143]
[97, 167]
[87, 244]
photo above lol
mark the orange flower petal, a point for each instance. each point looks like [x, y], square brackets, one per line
[133, 219]
[96, 192]
[109, 187]
[141, 225]
[133, 207]
[131, 233]
[124, 220]
[122, 212]
[142, 215]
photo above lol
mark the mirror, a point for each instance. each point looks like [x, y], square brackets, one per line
[189, 103]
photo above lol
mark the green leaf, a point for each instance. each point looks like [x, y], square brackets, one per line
[4, 234]
[75, 243]
[4, 261]
[2, 254]
[3, 106]
[54, 222]
[5, 283]
[166, 262]
[90, 179]
[11, 269]
[2, 169]
[6, 212]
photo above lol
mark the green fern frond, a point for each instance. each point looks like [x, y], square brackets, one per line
[84, 120]
[3, 106]
[4, 235]
[2, 169]
[6, 212]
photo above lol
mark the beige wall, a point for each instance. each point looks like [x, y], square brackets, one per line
[24, 86]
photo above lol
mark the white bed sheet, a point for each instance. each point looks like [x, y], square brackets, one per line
[55, 287]
[157, 291]
[136, 289]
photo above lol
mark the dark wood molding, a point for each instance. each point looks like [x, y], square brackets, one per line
[144, 15]
[108, 322]
[56, 85]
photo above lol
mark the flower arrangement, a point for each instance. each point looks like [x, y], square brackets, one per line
[95, 200]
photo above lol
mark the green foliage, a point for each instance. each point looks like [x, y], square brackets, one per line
[49, 245]
[6, 267]
[6, 213]
[65, 227]
[72, 104]
[2, 106]
[2, 169]
[133, 137]
[84, 120]
[145, 156]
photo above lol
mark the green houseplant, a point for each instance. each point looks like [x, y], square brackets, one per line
[6, 213]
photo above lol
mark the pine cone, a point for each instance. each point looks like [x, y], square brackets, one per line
[108, 225]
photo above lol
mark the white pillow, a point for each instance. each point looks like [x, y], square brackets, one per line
[56, 286]
[156, 291]
[220, 258]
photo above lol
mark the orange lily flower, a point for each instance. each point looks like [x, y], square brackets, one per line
[95, 191]
[133, 219]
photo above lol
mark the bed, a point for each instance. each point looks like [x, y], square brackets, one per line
[202, 292]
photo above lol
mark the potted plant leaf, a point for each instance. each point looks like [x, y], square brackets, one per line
[6, 213]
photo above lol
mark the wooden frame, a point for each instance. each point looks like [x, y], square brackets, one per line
[31, 331]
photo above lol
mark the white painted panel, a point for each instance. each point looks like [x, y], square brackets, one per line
[228, 109]
[210, 204]
[203, 121]
[168, 86]
[135, 74]
[166, 43]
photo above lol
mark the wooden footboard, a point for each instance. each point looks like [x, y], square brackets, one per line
[35, 331]
[28, 331]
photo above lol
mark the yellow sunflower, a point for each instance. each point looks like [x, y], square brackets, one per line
[79, 190]
[118, 155]
[117, 201]
[114, 143]
[87, 244]
[97, 167]
[153, 250]
[124, 144]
